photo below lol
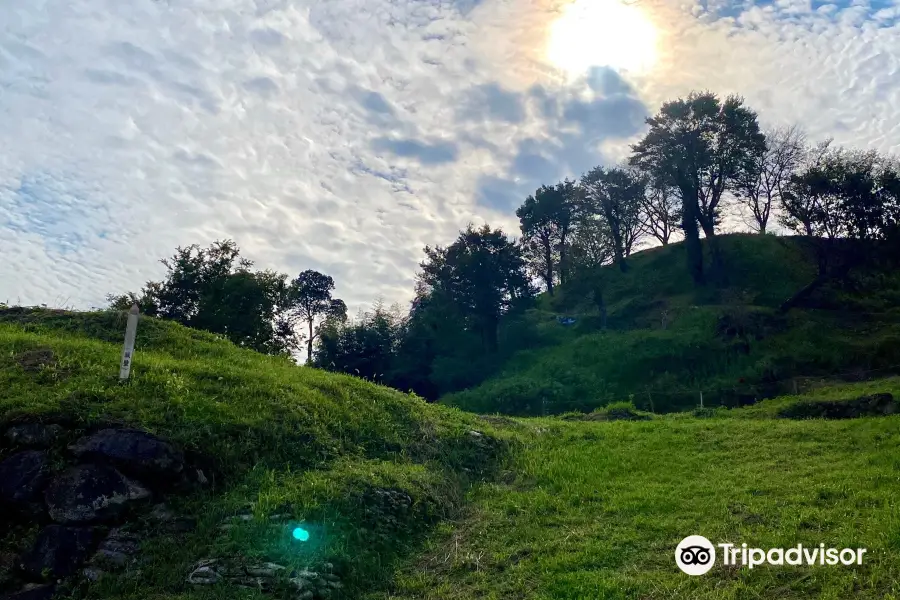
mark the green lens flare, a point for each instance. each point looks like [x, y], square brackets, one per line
[301, 534]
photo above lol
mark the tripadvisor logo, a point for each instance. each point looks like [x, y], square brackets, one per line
[696, 555]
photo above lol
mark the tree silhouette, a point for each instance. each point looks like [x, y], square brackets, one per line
[700, 146]
[483, 274]
[310, 300]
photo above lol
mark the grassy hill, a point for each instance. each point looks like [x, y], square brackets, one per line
[595, 509]
[562, 508]
[278, 438]
[667, 340]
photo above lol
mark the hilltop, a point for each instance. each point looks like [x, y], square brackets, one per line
[667, 340]
[273, 440]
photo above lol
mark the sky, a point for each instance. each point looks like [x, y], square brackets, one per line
[346, 135]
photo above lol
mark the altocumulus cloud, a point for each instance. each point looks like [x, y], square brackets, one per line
[346, 135]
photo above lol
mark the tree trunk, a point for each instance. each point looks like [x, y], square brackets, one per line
[548, 274]
[692, 241]
[715, 249]
[309, 344]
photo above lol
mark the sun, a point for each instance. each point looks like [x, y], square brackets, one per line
[596, 33]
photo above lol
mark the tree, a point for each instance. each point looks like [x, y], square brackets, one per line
[214, 289]
[592, 248]
[660, 212]
[483, 274]
[365, 347]
[616, 195]
[700, 146]
[546, 222]
[760, 187]
[842, 194]
[309, 297]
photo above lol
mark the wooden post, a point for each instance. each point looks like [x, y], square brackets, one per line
[650, 398]
[701, 398]
[128, 349]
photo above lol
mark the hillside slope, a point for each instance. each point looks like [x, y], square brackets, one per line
[596, 509]
[318, 448]
[668, 341]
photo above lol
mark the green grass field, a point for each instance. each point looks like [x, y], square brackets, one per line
[594, 510]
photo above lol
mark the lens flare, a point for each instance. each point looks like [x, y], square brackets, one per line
[301, 534]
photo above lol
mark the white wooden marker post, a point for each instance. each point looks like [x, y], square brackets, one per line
[128, 350]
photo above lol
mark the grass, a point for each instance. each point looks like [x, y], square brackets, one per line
[279, 438]
[729, 343]
[594, 509]
[586, 506]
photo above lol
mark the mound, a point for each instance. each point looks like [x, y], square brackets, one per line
[361, 469]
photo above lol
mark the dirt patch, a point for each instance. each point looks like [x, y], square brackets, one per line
[35, 360]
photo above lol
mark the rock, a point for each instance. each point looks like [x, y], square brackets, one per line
[59, 550]
[33, 592]
[135, 491]
[132, 451]
[22, 476]
[266, 569]
[92, 573]
[205, 572]
[37, 435]
[86, 493]
[161, 512]
[117, 550]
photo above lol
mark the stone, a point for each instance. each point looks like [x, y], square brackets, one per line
[22, 476]
[117, 550]
[85, 493]
[266, 569]
[133, 451]
[135, 491]
[205, 572]
[161, 512]
[92, 573]
[32, 592]
[59, 550]
[36, 435]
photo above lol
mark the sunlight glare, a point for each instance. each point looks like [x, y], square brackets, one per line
[595, 33]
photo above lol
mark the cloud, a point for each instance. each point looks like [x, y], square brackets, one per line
[346, 135]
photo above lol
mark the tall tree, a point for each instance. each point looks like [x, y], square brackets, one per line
[660, 212]
[483, 274]
[311, 302]
[546, 223]
[760, 186]
[616, 195]
[700, 145]
[214, 289]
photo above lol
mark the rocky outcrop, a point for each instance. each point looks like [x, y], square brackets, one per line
[59, 551]
[22, 477]
[98, 482]
[34, 435]
[86, 493]
[306, 584]
[132, 451]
